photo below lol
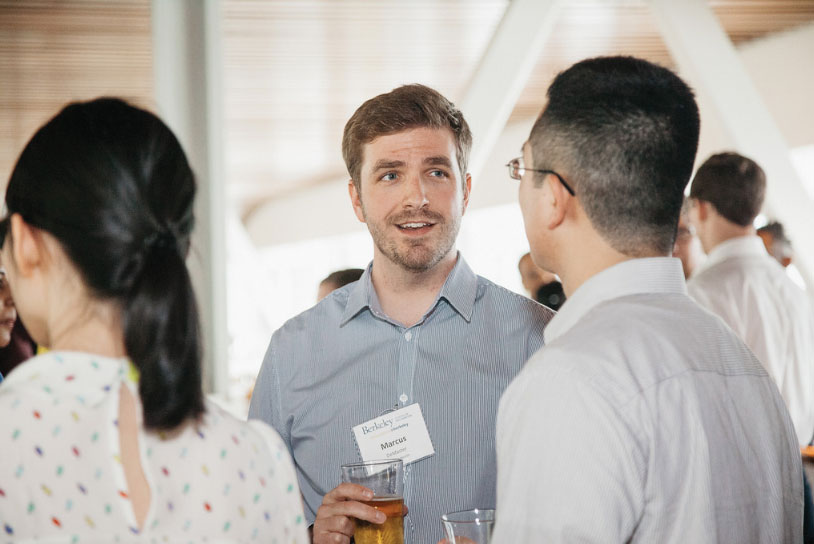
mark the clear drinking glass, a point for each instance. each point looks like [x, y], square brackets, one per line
[469, 526]
[386, 479]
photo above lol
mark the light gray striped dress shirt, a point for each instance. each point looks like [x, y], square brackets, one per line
[344, 361]
[645, 420]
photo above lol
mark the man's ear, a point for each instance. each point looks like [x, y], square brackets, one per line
[560, 201]
[467, 191]
[27, 248]
[356, 201]
[704, 209]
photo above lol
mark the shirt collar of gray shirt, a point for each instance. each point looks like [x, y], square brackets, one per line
[459, 290]
[632, 277]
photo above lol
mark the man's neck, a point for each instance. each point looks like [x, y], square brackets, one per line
[589, 257]
[725, 231]
[406, 295]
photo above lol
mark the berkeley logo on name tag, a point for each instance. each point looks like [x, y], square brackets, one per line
[401, 434]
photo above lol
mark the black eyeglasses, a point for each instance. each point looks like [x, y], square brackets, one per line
[516, 171]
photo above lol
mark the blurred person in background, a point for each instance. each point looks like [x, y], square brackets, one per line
[541, 285]
[108, 437]
[746, 287]
[749, 289]
[338, 279]
[687, 246]
[777, 244]
[8, 315]
[20, 348]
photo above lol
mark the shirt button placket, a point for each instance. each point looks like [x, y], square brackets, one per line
[403, 398]
[405, 377]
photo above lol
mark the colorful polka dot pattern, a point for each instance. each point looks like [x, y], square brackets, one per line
[61, 477]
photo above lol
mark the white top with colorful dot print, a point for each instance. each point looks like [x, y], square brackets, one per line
[221, 480]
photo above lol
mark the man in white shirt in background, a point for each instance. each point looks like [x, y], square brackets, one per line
[687, 246]
[746, 287]
[541, 285]
[644, 418]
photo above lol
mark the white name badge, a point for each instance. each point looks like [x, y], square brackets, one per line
[401, 434]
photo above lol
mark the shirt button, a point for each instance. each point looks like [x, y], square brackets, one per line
[403, 397]
[408, 336]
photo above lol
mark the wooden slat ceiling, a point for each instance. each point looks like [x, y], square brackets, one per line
[295, 72]
[296, 69]
[53, 52]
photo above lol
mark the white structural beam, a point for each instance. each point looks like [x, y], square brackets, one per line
[503, 72]
[708, 60]
[318, 211]
[187, 68]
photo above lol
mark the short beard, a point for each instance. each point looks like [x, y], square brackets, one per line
[418, 257]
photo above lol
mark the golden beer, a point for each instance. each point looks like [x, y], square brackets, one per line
[389, 532]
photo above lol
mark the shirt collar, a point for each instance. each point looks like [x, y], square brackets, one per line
[742, 246]
[632, 277]
[359, 296]
[459, 290]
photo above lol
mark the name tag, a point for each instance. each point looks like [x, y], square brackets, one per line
[401, 434]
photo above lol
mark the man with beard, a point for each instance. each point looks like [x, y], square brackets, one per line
[419, 330]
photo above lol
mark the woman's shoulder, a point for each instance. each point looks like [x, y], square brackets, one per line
[220, 421]
[223, 461]
[221, 436]
[26, 382]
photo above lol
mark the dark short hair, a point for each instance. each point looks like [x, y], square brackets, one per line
[112, 185]
[734, 184]
[781, 245]
[403, 108]
[341, 278]
[776, 230]
[624, 133]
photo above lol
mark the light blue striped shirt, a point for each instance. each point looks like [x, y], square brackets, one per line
[344, 362]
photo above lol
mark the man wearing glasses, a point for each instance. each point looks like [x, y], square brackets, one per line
[644, 418]
[419, 330]
[687, 247]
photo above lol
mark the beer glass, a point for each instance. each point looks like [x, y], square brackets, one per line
[386, 479]
[469, 526]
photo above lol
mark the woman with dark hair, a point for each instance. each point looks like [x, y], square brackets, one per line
[20, 347]
[108, 437]
[8, 314]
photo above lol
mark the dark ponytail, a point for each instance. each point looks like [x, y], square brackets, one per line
[111, 183]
